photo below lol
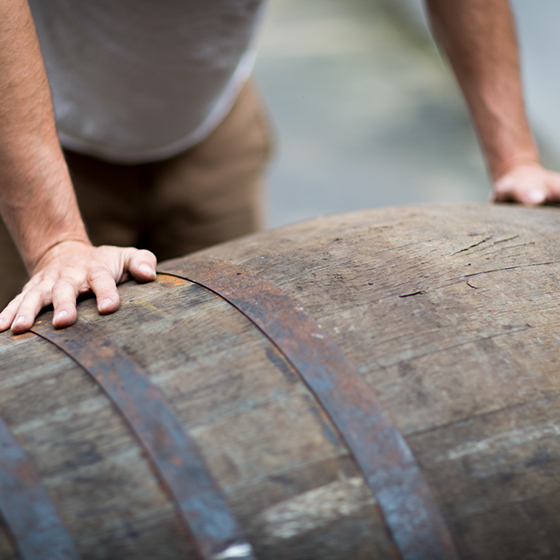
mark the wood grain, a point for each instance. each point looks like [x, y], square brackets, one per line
[451, 314]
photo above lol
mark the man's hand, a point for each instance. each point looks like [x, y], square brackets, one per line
[528, 183]
[37, 200]
[480, 40]
[72, 268]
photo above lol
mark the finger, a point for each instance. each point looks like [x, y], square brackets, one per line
[9, 313]
[64, 294]
[532, 197]
[141, 264]
[507, 195]
[527, 193]
[104, 287]
[31, 303]
[501, 196]
[553, 187]
[503, 190]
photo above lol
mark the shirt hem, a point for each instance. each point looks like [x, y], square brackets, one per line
[216, 116]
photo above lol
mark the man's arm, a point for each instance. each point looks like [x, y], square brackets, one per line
[37, 199]
[480, 40]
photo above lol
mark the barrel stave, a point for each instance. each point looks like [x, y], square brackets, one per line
[92, 467]
[386, 334]
[255, 422]
[450, 314]
[503, 464]
[261, 432]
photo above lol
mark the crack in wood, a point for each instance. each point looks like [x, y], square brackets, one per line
[411, 244]
[516, 501]
[458, 345]
[504, 240]
[417, 293]
[510, 268]
[470, 418]
[521, 245]
[472, 246]
[447, 283]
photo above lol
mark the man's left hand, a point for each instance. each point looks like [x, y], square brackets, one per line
[528, 183]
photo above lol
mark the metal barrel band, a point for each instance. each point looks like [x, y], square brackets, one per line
[26, 507]
[408, 507]
[173, 453]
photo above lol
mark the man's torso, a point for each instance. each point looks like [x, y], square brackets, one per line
[138, 80]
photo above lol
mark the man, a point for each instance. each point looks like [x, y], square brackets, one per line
[110, 104]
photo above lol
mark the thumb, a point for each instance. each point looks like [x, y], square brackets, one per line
[141, 264]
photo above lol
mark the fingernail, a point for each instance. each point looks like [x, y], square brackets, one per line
[534, 197]
[105, 303]
[147, 269]
[60, 315]
[20, 320]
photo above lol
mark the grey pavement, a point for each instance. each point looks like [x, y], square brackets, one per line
[539, 40]
[539, 44]
[365, 111]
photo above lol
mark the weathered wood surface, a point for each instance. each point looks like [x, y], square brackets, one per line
[451, 314]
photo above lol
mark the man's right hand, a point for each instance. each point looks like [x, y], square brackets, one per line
[72, 268]
[37, 200]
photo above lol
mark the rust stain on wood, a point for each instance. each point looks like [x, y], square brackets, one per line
[389, 468]
[173, 452]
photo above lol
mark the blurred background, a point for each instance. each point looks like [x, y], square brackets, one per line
[367, 114]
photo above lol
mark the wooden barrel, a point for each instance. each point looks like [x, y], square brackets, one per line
[382, 384]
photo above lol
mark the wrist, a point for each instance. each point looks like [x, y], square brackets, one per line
[55, 247]
[498, 170]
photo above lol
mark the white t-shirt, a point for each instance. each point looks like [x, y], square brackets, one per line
[141, 80]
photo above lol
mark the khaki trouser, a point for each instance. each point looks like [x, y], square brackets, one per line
[209, 194]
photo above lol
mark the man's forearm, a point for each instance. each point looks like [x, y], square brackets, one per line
[480, 41]
[37, 200]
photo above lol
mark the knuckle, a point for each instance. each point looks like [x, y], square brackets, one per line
[145, 254]
[62, 288]
[96, 274]
[40, 291]
[65, 275]
[63, 283]
[17, 300]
